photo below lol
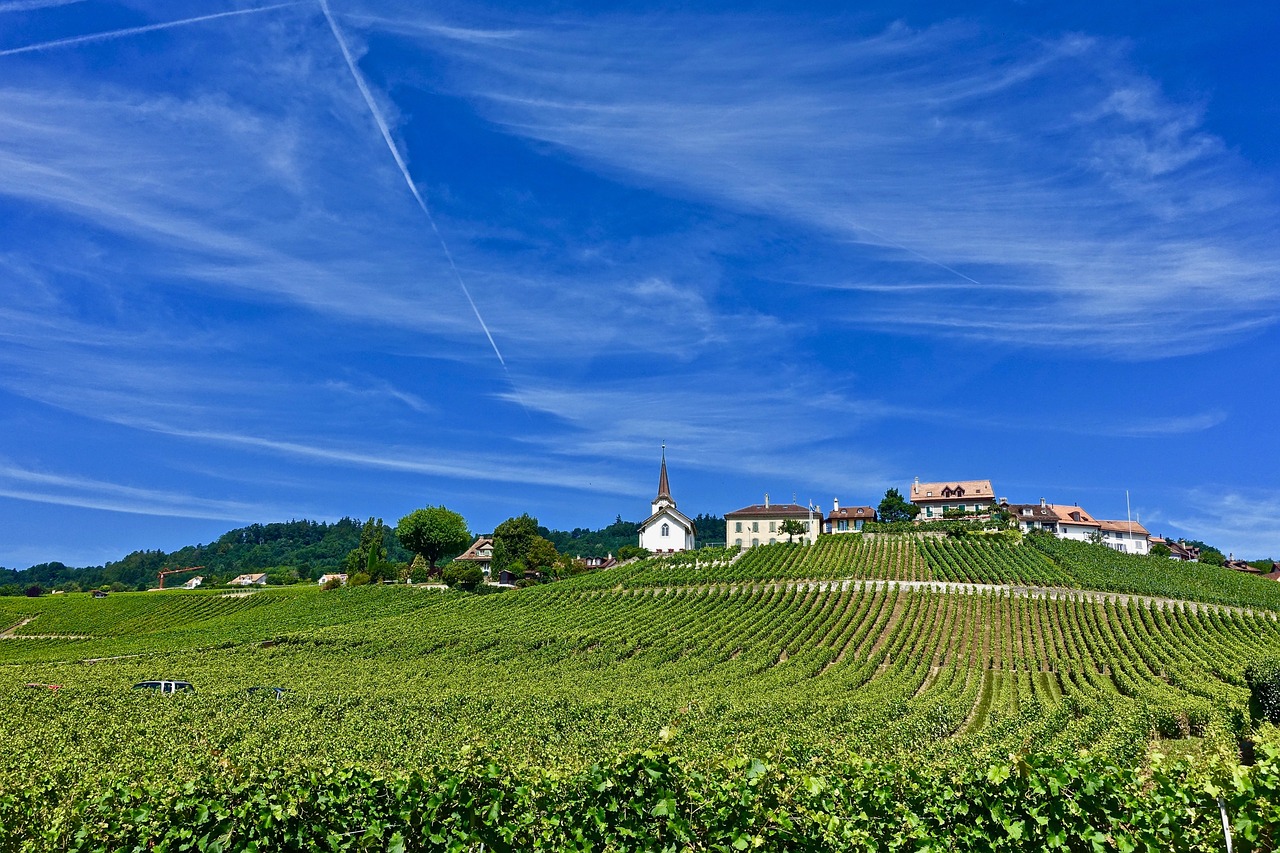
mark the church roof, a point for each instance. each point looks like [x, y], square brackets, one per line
[664, 487]
[683, 520]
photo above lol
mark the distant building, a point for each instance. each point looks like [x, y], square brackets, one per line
[194, 582]
[667, 529]
[340, 578]
[761, 524]
[99, 593]
[847, 519]
[934, 499]
[597, 563]
[1127, 536]
[480, 554]
[250, 580]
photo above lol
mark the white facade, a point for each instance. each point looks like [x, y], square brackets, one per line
[761, 524]
[667, 530]
[1127, 536]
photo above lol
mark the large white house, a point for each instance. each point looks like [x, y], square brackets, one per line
[1072, 522]
[935, 499]
[761, 524]
[667, 529]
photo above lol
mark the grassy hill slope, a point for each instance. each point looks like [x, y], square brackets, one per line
[700, 656]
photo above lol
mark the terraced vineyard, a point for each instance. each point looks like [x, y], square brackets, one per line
[817, 659]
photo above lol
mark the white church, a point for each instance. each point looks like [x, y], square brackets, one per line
[667, 530]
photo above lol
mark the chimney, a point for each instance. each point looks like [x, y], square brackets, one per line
[1042, 502]
[766, 500]
[835, 504]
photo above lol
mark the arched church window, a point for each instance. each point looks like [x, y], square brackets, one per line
[666, 530]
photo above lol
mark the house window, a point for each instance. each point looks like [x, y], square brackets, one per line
[737, 528]
[772, 540]
[755, 528]
[755, 542]
[666, 530]
[842, 525]
[928, 511]
[737, 543]
[806, 527]
[773, 527]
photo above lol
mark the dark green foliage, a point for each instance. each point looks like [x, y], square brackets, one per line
[1263, 678]
[512, 540]
[462, 575]
[583, 542]
[434, 532]
[654, 802]
[895, 508]
[1212, 557]
[630, 552]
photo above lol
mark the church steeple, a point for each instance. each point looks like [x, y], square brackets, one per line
[664, 487]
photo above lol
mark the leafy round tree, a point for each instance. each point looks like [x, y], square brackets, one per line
[895, 508]
[433, 532]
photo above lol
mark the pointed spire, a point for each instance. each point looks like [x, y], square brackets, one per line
[664, 488]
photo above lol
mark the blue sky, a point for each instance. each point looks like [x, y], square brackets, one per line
[816, 252]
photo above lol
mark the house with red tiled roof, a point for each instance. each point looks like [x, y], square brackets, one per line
[968, 496]
[848, 519]
[1127, 536]
[761, 524]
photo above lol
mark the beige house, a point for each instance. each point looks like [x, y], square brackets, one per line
[479, 554]
[249, 580]
[847, 519]
[934, 499]
[761, 524]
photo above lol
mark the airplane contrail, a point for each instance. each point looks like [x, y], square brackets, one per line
[404, 170]
[131, 31]
[32, 5]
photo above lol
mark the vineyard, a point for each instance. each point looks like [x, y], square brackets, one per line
[791, 697]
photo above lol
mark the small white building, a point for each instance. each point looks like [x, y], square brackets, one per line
[667, 530]
[1127, 536]
[761, 524]
[194, 582]
[479, 554]
[340, 578]
[250, 580]
[849, 519]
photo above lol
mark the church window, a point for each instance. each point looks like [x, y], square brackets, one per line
[666, 530]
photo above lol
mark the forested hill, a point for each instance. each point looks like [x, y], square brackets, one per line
[296, 550]
[304, 549]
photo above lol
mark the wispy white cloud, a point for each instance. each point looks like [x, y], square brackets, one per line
[77, 491]
[1246, 525]
[125, 32]
[1133, 232]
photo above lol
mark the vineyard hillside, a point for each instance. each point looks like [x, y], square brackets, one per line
[792, 681]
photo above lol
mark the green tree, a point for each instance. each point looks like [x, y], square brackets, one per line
[512, 540]
[463, 576]
[1212, 557]
[1161, 550]
[895, 508]
[792, 528]
[631, 552]
[541, 554]
[433, 533]
[373, 535]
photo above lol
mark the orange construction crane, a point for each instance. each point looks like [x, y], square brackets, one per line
[163, 573]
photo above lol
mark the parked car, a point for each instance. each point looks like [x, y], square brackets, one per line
[165, 686]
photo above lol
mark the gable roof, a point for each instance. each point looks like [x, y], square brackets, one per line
[473, 553]
[1124, 527]
[680, 518]
[1073, 515]
[967, 489]
[774, 511]
[1032, 512]
[853, 512]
